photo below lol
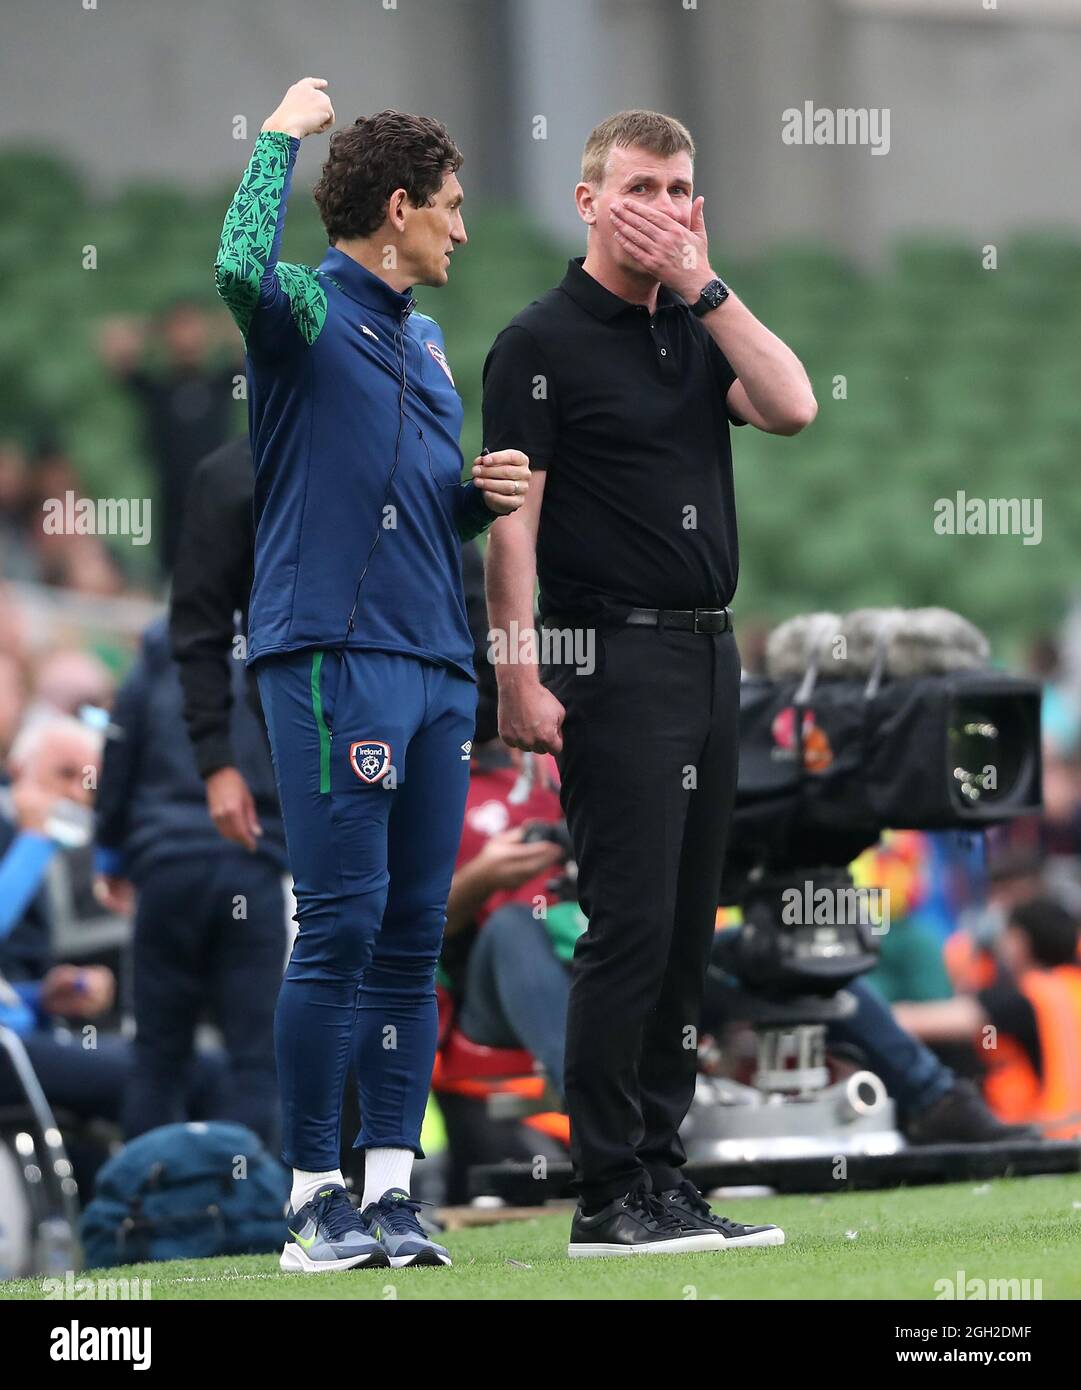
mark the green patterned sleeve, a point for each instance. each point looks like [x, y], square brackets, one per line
[267, 298]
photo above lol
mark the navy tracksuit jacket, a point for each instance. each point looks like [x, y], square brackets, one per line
[363, 655]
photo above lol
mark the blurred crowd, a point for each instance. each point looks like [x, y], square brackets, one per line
[181, 374]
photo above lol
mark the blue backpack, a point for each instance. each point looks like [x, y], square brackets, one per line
[186, 1192]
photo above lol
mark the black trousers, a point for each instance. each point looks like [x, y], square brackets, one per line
[193, 955]
[649, 761]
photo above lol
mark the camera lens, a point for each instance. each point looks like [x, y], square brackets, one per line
[987, 748]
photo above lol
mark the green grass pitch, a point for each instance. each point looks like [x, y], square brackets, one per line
[865, 1245]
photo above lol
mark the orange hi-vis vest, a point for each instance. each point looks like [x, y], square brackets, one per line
[1014, 1091]
[970, 967]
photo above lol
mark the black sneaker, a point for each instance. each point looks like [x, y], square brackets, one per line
[637, 1224]
[689, 1204]
[961, 1116]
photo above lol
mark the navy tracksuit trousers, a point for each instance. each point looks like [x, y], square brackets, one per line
[371, 754]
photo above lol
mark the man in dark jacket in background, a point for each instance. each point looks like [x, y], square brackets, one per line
[207, 621]
[210, 917]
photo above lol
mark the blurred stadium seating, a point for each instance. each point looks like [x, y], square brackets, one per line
[929, 371]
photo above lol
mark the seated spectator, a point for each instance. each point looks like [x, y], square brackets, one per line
[68, 679]
[515, 979]
[1026, 1026]
[53, 767]
[66, 683]
[508, 986]
[84, 1074]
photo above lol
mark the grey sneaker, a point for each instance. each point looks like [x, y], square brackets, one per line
[329, 1233]
[393, 1221]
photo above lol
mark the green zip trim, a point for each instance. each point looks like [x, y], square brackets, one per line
[320, 723]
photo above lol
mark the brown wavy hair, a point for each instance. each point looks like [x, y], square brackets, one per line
[647, 130]
[368, 160]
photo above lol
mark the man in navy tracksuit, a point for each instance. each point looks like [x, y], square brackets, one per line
[359, 638]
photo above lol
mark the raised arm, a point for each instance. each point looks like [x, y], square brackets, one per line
[246, 271]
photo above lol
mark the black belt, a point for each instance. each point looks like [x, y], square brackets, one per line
[689, 619]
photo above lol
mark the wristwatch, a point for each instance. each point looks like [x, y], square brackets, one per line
[713, 295]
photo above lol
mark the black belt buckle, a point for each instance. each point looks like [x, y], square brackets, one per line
[712, 620]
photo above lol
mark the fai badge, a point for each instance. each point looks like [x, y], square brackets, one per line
[369, 760]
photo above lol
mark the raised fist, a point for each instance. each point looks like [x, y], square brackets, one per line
[304, 110]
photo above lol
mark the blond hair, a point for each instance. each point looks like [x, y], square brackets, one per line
[648, 130]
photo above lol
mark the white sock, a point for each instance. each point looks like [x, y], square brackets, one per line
[384, 1169]
[306, 1185]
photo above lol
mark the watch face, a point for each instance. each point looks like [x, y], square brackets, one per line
[713, 294]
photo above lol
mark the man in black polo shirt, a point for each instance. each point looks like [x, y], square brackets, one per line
[620, 385]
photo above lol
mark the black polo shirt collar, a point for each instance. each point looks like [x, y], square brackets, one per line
[591, 295]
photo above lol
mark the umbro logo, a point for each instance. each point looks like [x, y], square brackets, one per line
[467, 748]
